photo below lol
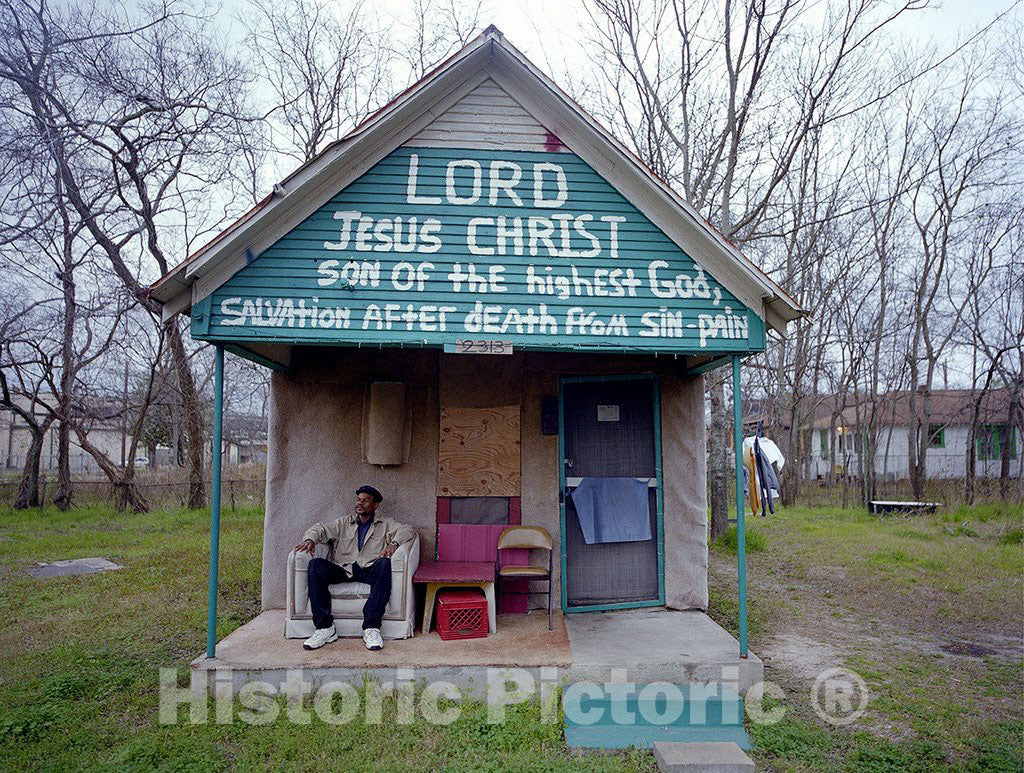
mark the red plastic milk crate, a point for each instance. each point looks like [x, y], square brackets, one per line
[461, 614]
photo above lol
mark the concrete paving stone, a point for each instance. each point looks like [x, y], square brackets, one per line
[702, 757]
[73, 566]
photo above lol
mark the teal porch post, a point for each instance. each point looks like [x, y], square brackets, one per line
[218, 432]
[741, 527]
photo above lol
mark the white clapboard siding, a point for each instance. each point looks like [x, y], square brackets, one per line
[487, 118]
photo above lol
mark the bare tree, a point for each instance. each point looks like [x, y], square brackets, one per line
[432, 30]
[992, 329]
[965, 148]
[733, 91]
[323, 68]
[122, 477]
[23, 368]
[140, 121]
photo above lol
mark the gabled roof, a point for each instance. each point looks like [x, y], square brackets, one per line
[947, 407]
[487, 56]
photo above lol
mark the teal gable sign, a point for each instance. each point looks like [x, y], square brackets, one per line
[433, 245]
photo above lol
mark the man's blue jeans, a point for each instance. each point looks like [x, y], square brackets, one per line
[323, 573]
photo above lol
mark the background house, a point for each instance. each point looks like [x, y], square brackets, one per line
[951, 413]
[108, 434]
[245, 440]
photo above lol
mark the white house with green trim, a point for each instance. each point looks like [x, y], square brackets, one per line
[839, 441]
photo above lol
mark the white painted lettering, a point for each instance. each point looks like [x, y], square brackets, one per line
[328, 272]
[564, 218]
[346, 219]
[429, 237]
[580, 225]
[538, 186]
[449, 182]
[363, 234]
[411, 197]
[515, 232]
[474, 248]
[232, 316]
[400, 282]
[497, 184]
[540, 229]
[613, 224]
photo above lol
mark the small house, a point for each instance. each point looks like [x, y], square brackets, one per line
[475, 301]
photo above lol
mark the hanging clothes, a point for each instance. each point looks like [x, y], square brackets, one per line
[760, 455]
[753, 488]
[771, 452]
[768, 448]
[766, 475]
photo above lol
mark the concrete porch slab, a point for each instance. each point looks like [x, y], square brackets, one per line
[521, 640]
[651, 645]
[259, 651]
[658, 645]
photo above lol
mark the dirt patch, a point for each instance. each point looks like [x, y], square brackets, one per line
[799, 655]
[938, 648]
[968, 649]
[827, 573]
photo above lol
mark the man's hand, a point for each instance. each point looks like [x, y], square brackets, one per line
[389, 550]
[306, 546]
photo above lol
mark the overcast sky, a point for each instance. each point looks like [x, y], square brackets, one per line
[545, 29]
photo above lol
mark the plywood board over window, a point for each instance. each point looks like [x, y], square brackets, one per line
[479, 454]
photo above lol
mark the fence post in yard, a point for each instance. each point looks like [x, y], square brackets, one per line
[218, 431]
[741, 528]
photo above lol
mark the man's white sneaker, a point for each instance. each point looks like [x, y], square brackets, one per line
[319, 638]
[372, 639]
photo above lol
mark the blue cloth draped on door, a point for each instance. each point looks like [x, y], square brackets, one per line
[613, 510]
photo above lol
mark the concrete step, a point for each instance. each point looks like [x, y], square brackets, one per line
[646, 736]
[702, 758]
[607, 716]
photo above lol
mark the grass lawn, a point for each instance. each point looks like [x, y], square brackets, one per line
[80, 660]
[929, 610]
[902, 601]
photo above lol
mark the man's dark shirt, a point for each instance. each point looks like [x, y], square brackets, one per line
[361, 529]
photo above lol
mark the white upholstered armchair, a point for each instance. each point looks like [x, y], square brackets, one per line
[347, 598]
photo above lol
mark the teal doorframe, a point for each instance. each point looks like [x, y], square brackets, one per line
[656, 396]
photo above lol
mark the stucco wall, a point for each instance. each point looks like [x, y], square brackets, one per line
[314, 458]
[684, 491]
[314, 462]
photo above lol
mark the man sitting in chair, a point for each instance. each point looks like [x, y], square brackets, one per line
[364, 544]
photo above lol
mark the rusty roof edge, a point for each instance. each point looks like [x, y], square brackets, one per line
[156, 289]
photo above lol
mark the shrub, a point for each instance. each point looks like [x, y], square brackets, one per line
[729, 541]
[1012, 537]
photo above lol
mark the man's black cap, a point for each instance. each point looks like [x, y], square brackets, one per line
[377, 496]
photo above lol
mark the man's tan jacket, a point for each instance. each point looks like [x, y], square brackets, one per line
[343, 531]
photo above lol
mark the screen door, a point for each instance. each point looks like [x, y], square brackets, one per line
[609, 432]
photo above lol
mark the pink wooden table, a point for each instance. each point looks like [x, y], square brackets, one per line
[459, 574]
